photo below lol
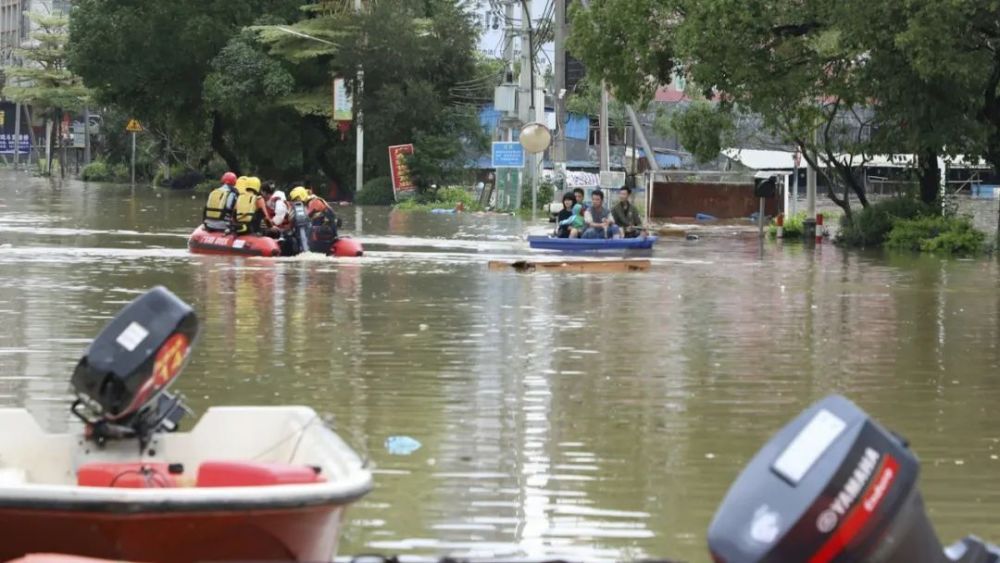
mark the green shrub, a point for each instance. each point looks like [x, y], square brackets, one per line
[443, 198]
[96, 171]
[794, 227]
[102, 171]
[871, 226]
[937, 234]
[546, 191]
[377, 191]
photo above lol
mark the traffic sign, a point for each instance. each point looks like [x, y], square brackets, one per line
[133, 126]
[508, 155]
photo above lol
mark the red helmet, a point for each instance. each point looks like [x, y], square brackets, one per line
[229, 179]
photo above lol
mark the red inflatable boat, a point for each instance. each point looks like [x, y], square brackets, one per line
[203, 241]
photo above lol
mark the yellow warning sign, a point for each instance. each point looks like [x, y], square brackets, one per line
[133, 126]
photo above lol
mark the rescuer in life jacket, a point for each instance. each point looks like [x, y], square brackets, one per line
[218, 213]
[251, 210]
[321, 217]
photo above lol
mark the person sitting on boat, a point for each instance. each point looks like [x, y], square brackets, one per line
[600, 223]
[251, 210]
[575, 222]
[218, 213]
[562, 227]
[625, 215]
[322, 218]
[279, 217]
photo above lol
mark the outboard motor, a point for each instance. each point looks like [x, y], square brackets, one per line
[833, 485]
[121, 382]
[301, 226]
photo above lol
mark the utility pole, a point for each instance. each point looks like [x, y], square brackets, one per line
[605, 154]
[359, 149]
[18, 22]
[526, 101]
[811, 181]
[86, 139]
[559, 138]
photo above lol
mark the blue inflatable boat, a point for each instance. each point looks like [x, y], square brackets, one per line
[582, 244]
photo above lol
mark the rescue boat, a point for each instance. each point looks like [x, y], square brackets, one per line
[250, 483]
[203, 241]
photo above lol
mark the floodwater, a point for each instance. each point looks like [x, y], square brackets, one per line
[585, 416]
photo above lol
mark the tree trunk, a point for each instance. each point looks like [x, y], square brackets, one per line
[62, 147]
[49, 139]
[219, 144]
[930, 176]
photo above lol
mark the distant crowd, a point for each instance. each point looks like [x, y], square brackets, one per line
[593, 220]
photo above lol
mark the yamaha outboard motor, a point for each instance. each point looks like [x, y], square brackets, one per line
[301, 227]
[121, 381]
[832, 485]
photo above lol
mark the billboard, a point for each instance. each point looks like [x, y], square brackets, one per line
[401, 182]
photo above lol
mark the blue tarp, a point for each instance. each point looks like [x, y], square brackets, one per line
[664, 160]
[577, 127]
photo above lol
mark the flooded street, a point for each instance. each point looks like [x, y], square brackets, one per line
[586, 416]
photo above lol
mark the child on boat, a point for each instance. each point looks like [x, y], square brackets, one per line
[572, 225]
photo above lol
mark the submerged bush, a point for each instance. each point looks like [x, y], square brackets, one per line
[937, 234]
[871, 226]
[102, 171]
[377, 191]
[443, 198]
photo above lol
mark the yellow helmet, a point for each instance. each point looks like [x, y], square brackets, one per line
[253, 184]
[241, 184]
[298, 193]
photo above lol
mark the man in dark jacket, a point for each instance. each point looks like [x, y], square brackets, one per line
[625, 214]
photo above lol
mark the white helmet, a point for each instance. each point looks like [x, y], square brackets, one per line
[279, 195]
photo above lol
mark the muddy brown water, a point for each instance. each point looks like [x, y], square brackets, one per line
[576, 415]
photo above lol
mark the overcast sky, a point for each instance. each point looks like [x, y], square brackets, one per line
[491, 41]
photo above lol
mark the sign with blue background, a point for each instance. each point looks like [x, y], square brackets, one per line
[7, 143]
[508, 155]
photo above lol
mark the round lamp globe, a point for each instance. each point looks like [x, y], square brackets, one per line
[535, 138]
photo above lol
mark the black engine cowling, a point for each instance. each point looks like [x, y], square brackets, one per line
[832, 485]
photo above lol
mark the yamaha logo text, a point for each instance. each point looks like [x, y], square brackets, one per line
[830, 517]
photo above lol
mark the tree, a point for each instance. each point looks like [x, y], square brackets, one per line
[151, 59]
[703, 128]
[43, 81]
[419, 60]
[630, 41]
[840, 80]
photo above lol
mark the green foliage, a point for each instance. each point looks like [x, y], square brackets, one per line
[793, 228]
[629, 41]
[377, 191]
[704, 129]
[102, 171]
[442, 198]
[936, 234]
[872, 225]
[586, 100]
[546, 191]
[43, 81]
[249, 81]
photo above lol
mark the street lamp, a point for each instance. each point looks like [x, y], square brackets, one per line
[535, 138]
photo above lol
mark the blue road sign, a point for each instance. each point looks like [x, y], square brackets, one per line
[508, 155]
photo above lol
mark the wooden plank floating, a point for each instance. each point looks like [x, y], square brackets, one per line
[583, 266]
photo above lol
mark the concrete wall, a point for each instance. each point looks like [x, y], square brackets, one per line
[725, 201]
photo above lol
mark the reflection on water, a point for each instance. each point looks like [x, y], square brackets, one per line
[590, 416]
